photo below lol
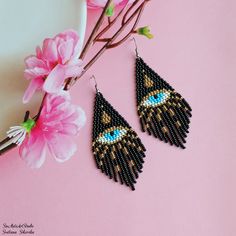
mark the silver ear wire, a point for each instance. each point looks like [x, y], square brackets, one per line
[136, 47]
[96, 85]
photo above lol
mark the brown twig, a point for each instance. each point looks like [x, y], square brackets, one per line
[89, 41]
[111, 23]
[4, 141]
[128, 11]
[103, 40]
[131, 31]
[8, 148]
[40, 108]
[94, 31]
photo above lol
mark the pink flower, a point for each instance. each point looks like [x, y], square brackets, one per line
[58, 122]
[94, 4]
[56, 61]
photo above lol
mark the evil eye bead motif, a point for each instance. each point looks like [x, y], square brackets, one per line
[156, 98]
[117, 149]
[112, 135]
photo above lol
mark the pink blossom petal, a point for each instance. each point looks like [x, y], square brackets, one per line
[75, 62]
[62, 147]
[77, 50]
[35, 73]
[33, 61]
[81, 120]
[57, 61]
[93, 4]
[73, 123]
[39, 52]
[69, 34]
[65, 51]
[55, 80]
[50, 50]
[34, 85]
[69, 129]
[57, 99]
[54, 101]
[58, 122]
[33, 150]
[73, 70]
[72, 116]
[123, 3]
[58, 113]
[77, 44]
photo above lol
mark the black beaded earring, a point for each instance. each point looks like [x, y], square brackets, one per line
[163, 112]
[117, 149]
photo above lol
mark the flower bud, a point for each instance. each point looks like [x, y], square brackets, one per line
[145, 31]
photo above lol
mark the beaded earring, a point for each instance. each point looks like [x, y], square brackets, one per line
[117, 149]
[163, 112]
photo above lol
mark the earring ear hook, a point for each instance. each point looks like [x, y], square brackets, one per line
[136, 47]
[96, 85]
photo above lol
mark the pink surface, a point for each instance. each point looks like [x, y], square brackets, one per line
[180, 193]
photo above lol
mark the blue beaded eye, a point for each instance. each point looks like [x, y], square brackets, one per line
[112, 135]
[156, 98]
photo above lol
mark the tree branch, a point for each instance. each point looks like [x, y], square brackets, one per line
[128, 11]
[89, 41]
[138, 12]
[109, 43]
[131, 31]
[111, 23]
[94, 31]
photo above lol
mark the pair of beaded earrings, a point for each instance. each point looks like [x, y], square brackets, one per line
[163, 113]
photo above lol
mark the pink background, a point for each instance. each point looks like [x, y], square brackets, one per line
[180, 193]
